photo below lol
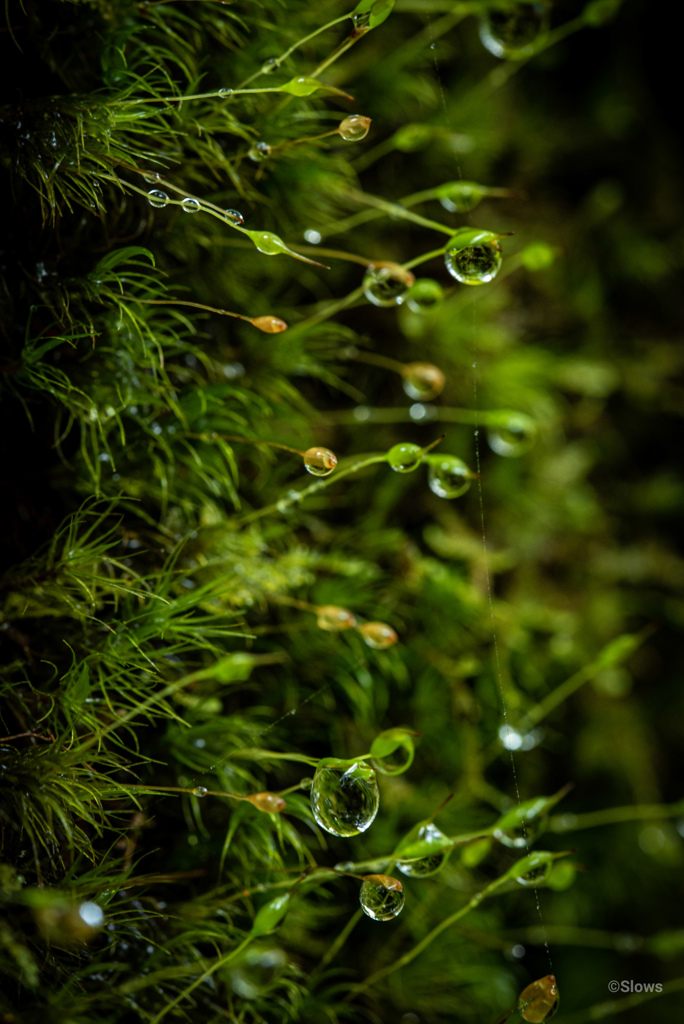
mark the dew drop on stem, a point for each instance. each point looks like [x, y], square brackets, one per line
[345, 797]
[381, 897]
[319, 461]
[157, 199]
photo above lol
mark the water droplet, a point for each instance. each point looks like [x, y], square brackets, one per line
[378, 635]
[518, 951]
[305, 783]
[354, 128]
[512, 32]
[404, 458]
[432, 862]
[224, 92]
[235, 217]
[260, 152]
[422, 381]
[361, 22]
[334, 619]
[510, 738]
[269, 803]
[269, 65]
[539, 1001]
[319, 461]
[474, 264]
[513, 436]
[424, 294]
[448, 476]
[157, 199]
[345, 797]
[312, 237]
[461, 196]
[536, 876]
[91, 914]
[200, 791]
[387, 284]
[269, 324]
[381, 897]
[191, 205]
[362, 413]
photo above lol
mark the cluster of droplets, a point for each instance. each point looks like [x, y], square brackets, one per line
[334, 619]
[381, 897]
[448, 476]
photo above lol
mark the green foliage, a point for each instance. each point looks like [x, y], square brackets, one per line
[166, 677]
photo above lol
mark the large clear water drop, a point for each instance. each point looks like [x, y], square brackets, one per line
[345, 797]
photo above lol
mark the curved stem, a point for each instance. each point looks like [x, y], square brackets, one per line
[296, 497]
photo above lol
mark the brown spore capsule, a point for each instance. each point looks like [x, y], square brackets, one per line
[378, 635]
[269, 324]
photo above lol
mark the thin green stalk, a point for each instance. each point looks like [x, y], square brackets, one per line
[615, 816]
[221, 962]
[296, 497]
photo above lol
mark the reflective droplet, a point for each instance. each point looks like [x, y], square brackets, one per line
[260, 152]
[269, 803]
[191, 206]
[91, 914]
[461, 196]
[432, 862]
[404, 458]
[235, 217]
[387, 284]
[378, 635]
[513, 437]
[539, 1001]
[224, 92]
[157, 199]
[381, 897]
[269, 65]
[424, 294]
[474, 264]
[361, 22]
[536, 876]
[345, 798]
[422, 381]
[448, 476]
[319, 461]
[354, 128]
[312, 237]
[200, 791]
[334, 619]
[512, 32]
[269, 324]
